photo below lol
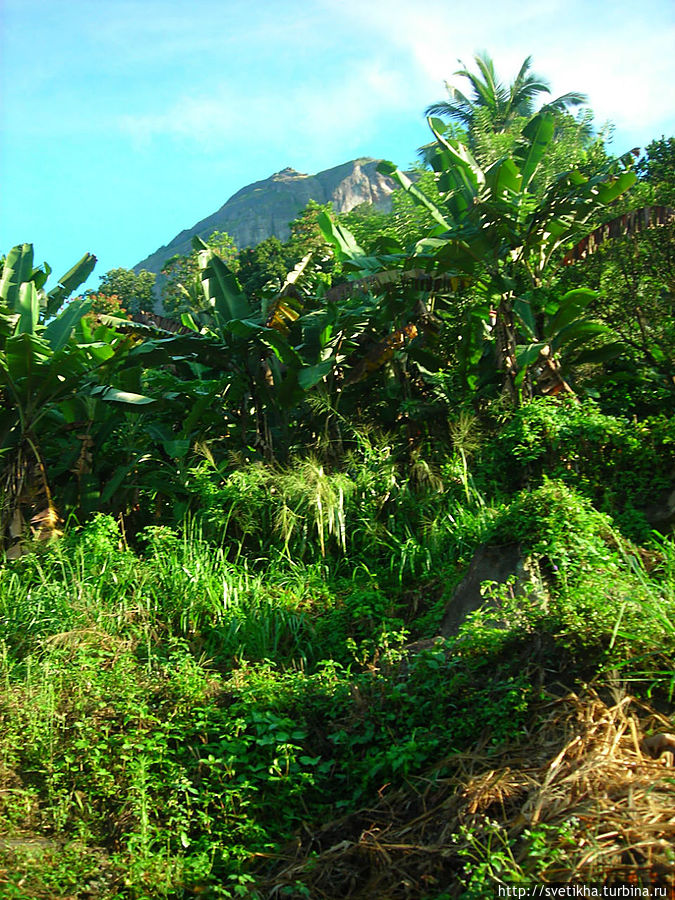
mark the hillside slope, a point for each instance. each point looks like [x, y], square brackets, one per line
[266, 208]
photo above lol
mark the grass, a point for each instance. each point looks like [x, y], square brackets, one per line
[172, 714]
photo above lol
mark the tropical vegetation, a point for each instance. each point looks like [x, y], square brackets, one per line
[237, 535]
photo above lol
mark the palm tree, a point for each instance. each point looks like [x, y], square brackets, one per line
[495, 105]
[491, 118]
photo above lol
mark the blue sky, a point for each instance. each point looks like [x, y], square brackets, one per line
[125, 121]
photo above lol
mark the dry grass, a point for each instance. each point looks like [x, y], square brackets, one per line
[584, 777]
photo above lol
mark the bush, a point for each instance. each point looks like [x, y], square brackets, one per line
[618, 463]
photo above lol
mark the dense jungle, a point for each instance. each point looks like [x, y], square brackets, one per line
[343, 567]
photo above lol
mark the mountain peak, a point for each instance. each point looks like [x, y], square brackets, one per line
[267, 208]
[289, 172]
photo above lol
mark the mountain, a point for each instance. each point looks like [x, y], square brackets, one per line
[266, 208]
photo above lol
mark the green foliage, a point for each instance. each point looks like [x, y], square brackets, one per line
[49, 359]
[635, 279]
[180, 291]
[491, 856]
[133, 290]
[411, 222]
[502, 106]
[278, 500]
[556, 521]
[620, 464]
[492, 121]
[306, 236]
[499, 230]
[175, 712]
[266, 264]
[370, 225]
[657, 168]
[106, 305]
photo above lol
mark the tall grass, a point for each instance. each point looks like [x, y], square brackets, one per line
[645, 622]
[189, 702]
[95, 590]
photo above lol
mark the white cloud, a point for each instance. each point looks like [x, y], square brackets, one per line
[311, 113]
[203, 119]
[618, 53]
[630, 79]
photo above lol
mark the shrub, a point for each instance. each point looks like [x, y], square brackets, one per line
[618, 463]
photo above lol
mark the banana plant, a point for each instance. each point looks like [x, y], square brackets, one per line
[257, 355]
[42, 363]
[496, 233]
[392, 297]
[559, 341]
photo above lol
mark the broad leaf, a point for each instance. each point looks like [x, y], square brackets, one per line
[425, 358]
[461, 155]
[221, 288]
[176, 448]
[280, 347]
[187, 321]
[67, 283]
[526, 355]
[100, 351]
[17, 270]
[340, 236]
[571, 304]
[312, 375]
[523, 310]
[59, 330]
[600, 354]
[503, 178]
[539, 134]
[609, 191]
[388, 168]
[125, 398]
[297, 271]
[578, 331]
[28, 307]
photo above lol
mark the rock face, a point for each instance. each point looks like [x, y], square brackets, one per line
[266, 208]
[661, 512]
[490, 563]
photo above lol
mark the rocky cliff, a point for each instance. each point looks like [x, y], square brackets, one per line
[266, 208]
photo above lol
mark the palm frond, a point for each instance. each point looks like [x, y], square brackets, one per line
[501, 103]
[562, 103]
[490, 91]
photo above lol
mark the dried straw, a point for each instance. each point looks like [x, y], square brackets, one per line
[587, 778]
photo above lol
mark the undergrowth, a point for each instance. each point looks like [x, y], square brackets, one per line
[177, 708]
[172, 714]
